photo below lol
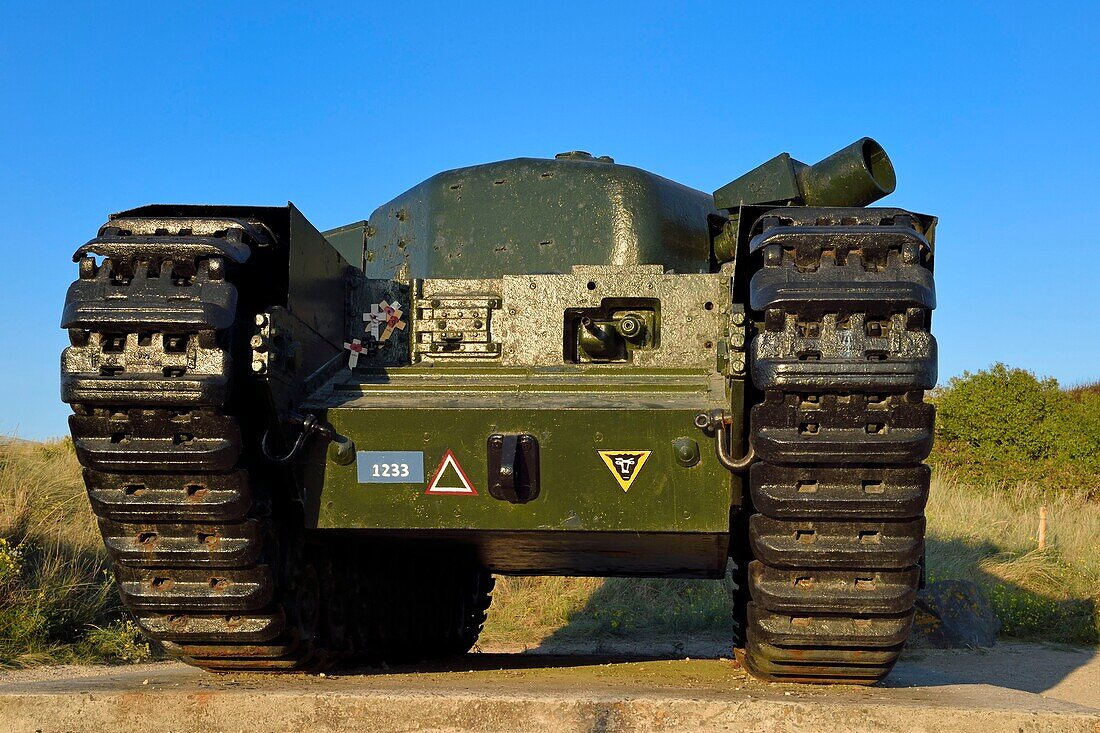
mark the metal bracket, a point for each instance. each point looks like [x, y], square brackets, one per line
[341, 449]
[718, 421]
[513, 467]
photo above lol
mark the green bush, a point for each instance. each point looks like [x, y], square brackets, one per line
[1004, 424]
[121, 641]
[1002, 412]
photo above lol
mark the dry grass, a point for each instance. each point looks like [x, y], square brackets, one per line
[1077, 391]
[526, 610]
[990, 536]
[57, 601]
[529, 610]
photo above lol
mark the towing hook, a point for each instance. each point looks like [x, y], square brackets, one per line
[341, 451]
[719, 421]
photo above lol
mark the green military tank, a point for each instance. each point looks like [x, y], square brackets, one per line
[310, 448]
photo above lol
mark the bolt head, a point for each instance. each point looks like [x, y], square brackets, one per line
[87, 267]
[686, 451]
[773, 255]
[910, 253]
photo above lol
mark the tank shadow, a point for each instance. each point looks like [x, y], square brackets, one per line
[496, 661]
[1065, 628]
[1026, 613]
[632, 619]
[657, 618]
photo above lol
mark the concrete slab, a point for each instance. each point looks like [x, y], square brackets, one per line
[523, 692]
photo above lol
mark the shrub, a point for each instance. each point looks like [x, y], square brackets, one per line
[1006, 413]
[1005, 425]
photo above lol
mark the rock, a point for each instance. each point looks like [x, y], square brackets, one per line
[953, 614]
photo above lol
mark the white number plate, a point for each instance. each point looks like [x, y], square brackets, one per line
[390, 466]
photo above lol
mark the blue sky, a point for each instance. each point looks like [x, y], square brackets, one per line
[989, 112]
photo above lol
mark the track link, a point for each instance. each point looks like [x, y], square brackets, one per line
[843, 358]
[149, 374]
[209, 554]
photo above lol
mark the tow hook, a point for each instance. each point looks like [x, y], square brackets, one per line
[341, 450]
[719, 421]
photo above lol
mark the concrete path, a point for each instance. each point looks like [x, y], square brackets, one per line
[1013, 688]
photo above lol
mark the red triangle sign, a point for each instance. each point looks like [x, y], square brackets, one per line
[455, 483]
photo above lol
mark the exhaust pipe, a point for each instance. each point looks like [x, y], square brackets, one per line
[857, 175]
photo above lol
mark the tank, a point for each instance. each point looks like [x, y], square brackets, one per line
[308, 448]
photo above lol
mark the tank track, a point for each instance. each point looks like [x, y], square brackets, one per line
[843, 358]
[209, 552]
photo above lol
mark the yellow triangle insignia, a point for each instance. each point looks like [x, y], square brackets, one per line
[625, 465]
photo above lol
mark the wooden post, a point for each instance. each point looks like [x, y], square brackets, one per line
[1042, 527]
